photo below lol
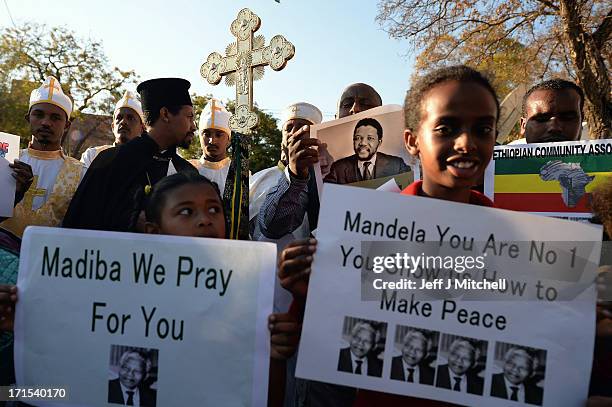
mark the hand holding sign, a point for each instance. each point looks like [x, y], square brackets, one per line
[302, 153]
[22, 172]
[470, 338]
[152, 307]
[325, 160]
[284, 335]
[294, 266]
[8, 299]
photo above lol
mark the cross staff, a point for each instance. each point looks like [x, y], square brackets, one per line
[243, 63]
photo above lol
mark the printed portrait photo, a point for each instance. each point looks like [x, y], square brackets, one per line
[363, 347]
[133, 376]
[461, 364]
[366, 150]
[417, 351]
[518, 373]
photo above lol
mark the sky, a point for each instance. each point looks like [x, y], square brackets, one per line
[337, 43]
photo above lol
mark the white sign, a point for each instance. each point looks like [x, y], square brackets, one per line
[194, 309]
[9, 151]
[458, 350]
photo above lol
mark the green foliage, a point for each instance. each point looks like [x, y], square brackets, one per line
[265, 143]
[31, 52]
[13, 107]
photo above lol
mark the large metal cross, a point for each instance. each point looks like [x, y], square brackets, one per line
[243, 63]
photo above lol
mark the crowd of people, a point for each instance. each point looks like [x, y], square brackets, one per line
[141, 184]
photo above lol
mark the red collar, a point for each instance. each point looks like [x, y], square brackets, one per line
[476, 198]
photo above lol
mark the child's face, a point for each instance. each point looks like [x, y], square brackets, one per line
[193, 210]
[456, 136]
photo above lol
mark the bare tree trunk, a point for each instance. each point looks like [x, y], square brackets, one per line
[79, 144]
[586, 51]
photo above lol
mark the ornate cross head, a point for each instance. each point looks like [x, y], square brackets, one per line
[244, 62]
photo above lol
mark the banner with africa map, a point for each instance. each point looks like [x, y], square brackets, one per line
[552, 179]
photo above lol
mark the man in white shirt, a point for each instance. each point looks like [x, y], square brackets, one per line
[295, 116]
[215, 136]
[128, 123]
[46, 177]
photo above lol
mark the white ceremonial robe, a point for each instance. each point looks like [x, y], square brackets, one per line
[214, 171]
[91, 153]
[56, 178]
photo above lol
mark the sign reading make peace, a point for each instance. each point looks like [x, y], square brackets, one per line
[462, 303]
[149, 320]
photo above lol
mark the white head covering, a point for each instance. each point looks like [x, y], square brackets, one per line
[51, 92]
[303, 110]
[129, 100]
[215, 116]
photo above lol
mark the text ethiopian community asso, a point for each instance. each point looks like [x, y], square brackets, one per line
[556, 151]
[94, 265]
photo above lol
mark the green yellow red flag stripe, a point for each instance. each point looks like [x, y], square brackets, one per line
[517, 184]
[532, 183]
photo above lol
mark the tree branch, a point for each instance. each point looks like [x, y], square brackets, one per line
[550, 4]
[603, 32]
[552, 51]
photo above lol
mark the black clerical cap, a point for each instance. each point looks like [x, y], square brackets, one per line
[164, 92]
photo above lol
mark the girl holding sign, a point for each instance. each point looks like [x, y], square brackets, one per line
[182, 204]
[451, 117]
[190, 205]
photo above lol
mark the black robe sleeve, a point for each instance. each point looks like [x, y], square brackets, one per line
[105, 198]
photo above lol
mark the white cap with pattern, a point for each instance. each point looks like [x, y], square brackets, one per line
[130, 100]
[215, 116]
[303, 110]
[51, 92]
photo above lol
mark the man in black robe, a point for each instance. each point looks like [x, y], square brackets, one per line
[105, 199]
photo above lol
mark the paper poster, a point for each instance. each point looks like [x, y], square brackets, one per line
[552, 179]
[9, 151]
[366, 149]
[514, 313]
[177, 321]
